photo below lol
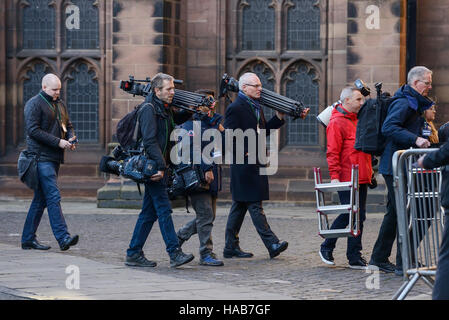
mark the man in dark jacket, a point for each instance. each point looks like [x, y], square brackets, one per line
[49, 133]
[402, 129]
[156, 122]
[204, 202]
[434, 160]
[248, 187]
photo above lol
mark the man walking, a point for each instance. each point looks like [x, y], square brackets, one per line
[248, 187]
[49, 133]
[157, 121]
[402, 129]
[341, 155]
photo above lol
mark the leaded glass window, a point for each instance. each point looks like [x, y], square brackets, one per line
[303, 25]
[38, 18]
[32, 84]
[82, 103]
[258, 25]
[81, 25]
[302, 85]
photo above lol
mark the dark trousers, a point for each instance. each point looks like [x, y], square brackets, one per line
[354, 248]
[235, 220]
[156, 206]
[441, 287]
[46, 196]
[388, 230]
[205, 206]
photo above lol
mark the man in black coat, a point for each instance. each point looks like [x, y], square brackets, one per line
[156, 122]
[49, 133]
[248, 186]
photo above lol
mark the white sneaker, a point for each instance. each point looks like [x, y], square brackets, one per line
[327, 258]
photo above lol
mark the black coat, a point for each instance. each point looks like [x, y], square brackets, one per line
[437, 159]
[247, 185]
[156, 122]
[43, 129]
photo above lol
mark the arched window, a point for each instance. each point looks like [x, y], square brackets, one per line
[301, 83]
[257, 25]
[38, 24]
[32, 83]
[82, 102]
[303, 25]
[81, 33]
[267, 79]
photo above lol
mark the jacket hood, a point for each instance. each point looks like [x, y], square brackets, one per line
[416, 101]
[337, 113]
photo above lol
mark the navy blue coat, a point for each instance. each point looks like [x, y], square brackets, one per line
[206, 123]
[247, 185]
[403, 124]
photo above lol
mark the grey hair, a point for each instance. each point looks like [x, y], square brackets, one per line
[347, 93]
[244, 79]
[158, 80]
[417, 73]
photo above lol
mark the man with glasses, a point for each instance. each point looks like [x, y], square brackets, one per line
[248, 187]
[402, 129]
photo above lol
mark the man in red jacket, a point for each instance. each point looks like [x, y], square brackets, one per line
[341, 155]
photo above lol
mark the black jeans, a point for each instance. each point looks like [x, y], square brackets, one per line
[354, 248]
[441, 287]
[388, 230]
[205, 206]
[235, 220]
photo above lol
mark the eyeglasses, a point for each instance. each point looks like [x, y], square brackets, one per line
[257, 86]
[427, 83]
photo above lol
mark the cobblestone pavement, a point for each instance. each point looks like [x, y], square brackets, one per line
[298, 272]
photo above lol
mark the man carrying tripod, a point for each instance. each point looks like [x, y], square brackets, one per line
[157, 121]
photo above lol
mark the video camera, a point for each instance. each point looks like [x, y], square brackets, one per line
[182, 99]
[270, 99]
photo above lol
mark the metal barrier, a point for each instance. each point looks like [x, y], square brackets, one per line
[419, 216]
[352, 208]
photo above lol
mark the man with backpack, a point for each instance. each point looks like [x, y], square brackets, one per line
[341, 155]
[204, 201]
[402, 129]
[156, 121]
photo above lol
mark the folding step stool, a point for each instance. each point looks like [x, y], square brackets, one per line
[352, 208]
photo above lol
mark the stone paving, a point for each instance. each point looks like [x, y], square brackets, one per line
[297, 273]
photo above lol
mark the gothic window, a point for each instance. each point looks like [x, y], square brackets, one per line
[82, 102]
[266, 78]
[81, 24]
[257, 25]
[301, 83]
[303, 25]
[32, 84]
[38, 20]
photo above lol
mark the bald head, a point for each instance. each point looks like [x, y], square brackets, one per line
[51, 85]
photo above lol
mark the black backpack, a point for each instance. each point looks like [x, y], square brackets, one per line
[371, 116]
[127, 128]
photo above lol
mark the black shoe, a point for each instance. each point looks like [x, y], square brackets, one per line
[178, 258]
[398, 272]
[68, 242]
[359, 264]
[34, 245]
[326, 257]
[139, 260]
[236, 252]
[387, 267]
[277, 248]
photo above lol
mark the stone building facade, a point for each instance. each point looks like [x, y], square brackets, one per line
[305, 49]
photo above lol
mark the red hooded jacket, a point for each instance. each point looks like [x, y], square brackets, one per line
[341, 154]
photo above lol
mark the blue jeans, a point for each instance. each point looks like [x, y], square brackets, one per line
[46, 196]
[156, 205]
[354, 248]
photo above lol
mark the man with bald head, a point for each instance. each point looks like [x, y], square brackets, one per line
[248, 187]
[49, 133]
